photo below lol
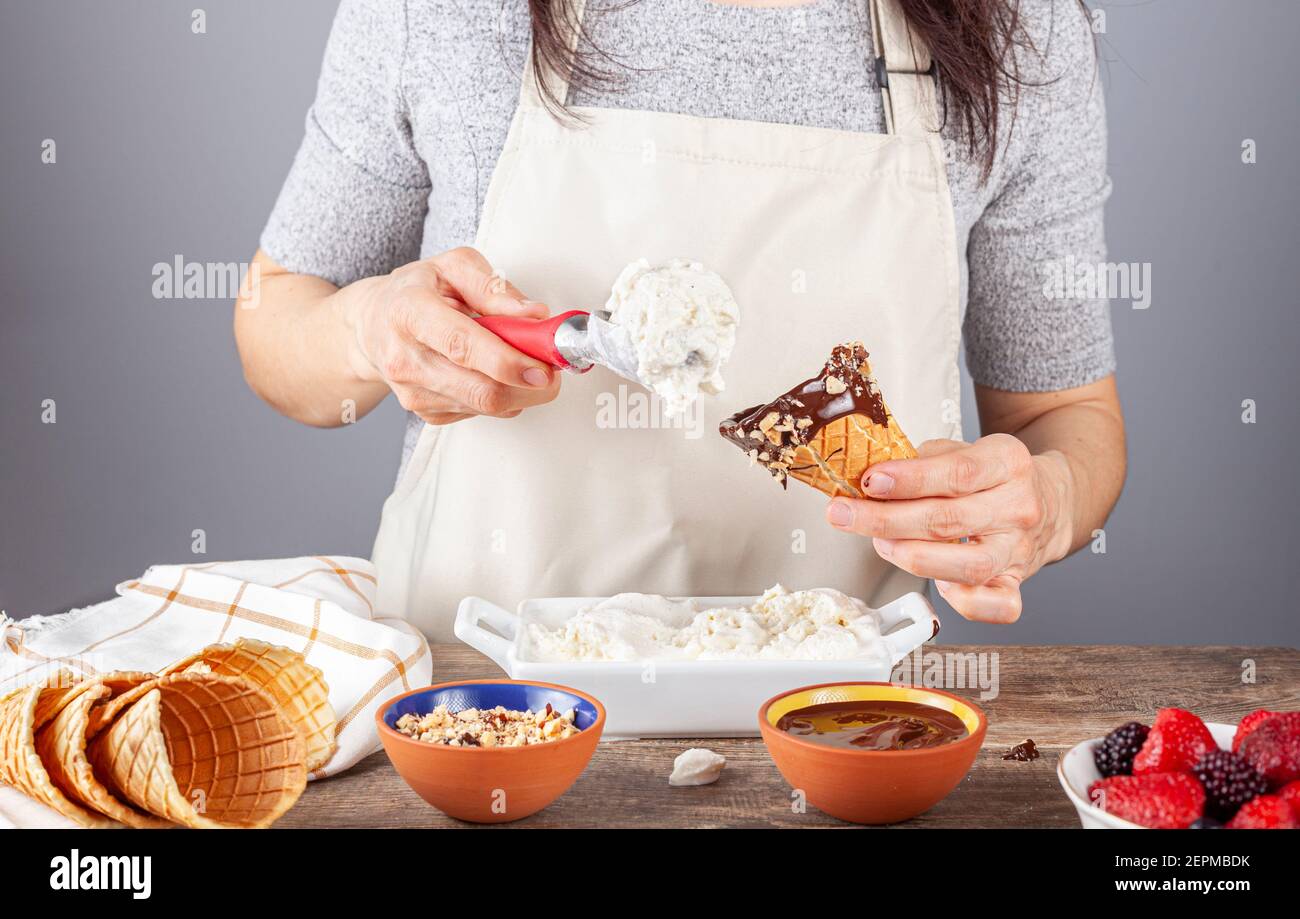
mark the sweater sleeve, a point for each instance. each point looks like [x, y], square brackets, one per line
[354, 202]
[1022, 333]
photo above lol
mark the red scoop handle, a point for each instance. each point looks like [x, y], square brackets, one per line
[534, 337]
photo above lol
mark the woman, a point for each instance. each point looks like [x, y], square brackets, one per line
[800, 149]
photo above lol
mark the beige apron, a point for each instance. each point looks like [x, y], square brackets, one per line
[824, 236]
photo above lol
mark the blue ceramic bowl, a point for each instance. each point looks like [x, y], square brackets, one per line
[491, 784]
[515, 696]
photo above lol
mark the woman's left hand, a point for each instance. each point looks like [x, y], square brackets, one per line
[1013, 508]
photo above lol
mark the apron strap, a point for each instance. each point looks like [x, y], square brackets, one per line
[904, 71]
[530, 95]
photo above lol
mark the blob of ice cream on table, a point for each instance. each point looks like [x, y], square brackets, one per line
[669, 327]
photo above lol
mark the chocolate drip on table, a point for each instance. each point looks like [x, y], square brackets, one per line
[1022, 752]
[770, 433]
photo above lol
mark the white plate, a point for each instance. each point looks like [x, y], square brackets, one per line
[1077, 771]
[680, 698]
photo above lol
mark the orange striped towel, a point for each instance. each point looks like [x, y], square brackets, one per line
[322, 607]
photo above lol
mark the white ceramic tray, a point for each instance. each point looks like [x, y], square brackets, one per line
[679, 698]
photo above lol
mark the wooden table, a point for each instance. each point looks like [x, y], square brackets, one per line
[1057, 695]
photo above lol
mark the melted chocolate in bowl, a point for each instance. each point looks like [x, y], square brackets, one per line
[874, 725]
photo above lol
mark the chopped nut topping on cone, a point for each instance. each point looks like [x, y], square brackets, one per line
[827, 430]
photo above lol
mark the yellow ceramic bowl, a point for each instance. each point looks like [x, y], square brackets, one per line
[870, 786]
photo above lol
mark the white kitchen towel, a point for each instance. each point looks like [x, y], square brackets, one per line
[322, 607]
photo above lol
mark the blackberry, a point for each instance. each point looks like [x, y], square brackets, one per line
[1114, 755]
[1205, 823]
[1229, 782]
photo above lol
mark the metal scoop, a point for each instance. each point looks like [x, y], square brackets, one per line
[576, 341]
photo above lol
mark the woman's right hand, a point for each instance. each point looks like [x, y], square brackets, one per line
[414, 331]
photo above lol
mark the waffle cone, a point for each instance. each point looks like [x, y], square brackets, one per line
[825, 431]
[203, 750]
[298, 687]
[835, 458]
[124, 687]
[22, 715]
[61, 745]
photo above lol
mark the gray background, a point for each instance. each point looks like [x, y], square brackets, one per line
[170, 142]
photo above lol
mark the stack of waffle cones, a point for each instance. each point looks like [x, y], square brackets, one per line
[224, 738]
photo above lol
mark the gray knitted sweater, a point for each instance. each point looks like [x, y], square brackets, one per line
[415, 97]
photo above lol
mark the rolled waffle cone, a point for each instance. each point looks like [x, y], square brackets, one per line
[61, 745]
[124, 687]
[298, 687]
[25, 712]
[205, 751]
[835, 458]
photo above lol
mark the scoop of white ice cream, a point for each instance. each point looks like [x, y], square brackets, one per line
[682, 319]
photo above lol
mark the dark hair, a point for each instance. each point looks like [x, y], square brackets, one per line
[971, 42]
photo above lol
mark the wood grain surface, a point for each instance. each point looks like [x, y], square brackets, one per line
[1057, 695]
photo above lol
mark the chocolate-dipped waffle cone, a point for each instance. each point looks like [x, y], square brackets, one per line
[827, 431]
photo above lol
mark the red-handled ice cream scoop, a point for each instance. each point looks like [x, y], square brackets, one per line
[575, 341]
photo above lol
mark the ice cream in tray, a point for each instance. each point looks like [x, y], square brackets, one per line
[695, 666]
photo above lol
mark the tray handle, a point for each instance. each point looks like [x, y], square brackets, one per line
[474, 610]
[923, 624]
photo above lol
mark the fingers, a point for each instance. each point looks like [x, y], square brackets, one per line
[924, 518]
[947, 471]
[998, 601]
[939, 445]
[441, 418]
[434, 297]
[972, 563]
[466, 276]
[465, 343]
[483, 395]
[437, 386]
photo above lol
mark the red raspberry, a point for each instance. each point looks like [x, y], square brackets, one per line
[1248, 724]
[1162, 801]
[1273, 749]
[1290, 793]
[1267, 812]
[1178, 739]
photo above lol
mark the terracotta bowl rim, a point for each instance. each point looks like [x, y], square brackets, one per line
[975, 737]
[389, 733]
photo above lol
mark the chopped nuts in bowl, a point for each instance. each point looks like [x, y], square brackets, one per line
[494, 727]
[490, 751]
